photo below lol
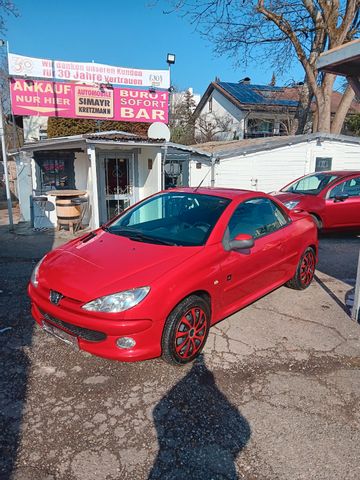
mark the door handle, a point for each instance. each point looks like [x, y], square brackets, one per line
[276, 244]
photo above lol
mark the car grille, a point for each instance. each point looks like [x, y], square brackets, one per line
[85, 333]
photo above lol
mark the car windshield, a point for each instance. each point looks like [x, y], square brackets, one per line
[172, 218]
[311, 184]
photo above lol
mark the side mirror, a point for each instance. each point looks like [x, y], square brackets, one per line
[341, 197]
[242, 241]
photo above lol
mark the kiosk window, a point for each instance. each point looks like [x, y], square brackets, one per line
[54, 171]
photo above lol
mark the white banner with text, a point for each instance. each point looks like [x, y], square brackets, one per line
[87, 72]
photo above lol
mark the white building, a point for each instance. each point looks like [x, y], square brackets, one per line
[267, 164]
[243, 110]
[234, 111]
[35, 128]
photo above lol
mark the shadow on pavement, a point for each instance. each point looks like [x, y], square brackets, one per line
[338, 259]
[200, 433]
[338, 255]
[18, 255]
[331, 294]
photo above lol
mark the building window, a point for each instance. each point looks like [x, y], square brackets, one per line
[257, 127]
[210, 104]
[323, 164]
[54, 171]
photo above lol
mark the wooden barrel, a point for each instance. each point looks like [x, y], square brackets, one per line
[67, 213]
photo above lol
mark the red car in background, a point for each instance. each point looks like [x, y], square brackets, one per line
[152, 281]
[332, 198]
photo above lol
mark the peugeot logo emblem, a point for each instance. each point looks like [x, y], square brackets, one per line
[55, 297]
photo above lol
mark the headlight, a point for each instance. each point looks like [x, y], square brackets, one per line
[34, 279]
[117, 302]
[292, 204]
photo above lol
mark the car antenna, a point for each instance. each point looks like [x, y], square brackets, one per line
[207, 173]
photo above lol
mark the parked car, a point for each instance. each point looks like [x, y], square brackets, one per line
[153, 280]
[332, 198]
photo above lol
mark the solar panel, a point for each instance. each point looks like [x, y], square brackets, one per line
[246, 93]
[242, 92]
[290, 103]
[266, 87]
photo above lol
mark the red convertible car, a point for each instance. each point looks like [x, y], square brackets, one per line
[332, 198]
[153, 280]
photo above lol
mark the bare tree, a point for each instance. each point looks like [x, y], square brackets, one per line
[7, 8]
[289, 125]
[211, 126]
[275, 30]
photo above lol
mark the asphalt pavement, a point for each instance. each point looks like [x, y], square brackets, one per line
[275, 394]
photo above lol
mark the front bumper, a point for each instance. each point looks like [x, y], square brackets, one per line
[98, 335]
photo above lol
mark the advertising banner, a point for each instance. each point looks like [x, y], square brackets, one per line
[86, 72]
[58, 99]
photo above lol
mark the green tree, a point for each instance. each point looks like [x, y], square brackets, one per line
[353, 124]
[181, 122]
[273, 80]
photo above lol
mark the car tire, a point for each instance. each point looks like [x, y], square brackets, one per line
[186, 330]
[304, 272]
[317, 221]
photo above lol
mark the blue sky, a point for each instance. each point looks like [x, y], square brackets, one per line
[129, 33]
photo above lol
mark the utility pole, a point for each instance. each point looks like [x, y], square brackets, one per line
[343, 61]
[356, 307]
[6, 171]
[3, 148]
[212, 168]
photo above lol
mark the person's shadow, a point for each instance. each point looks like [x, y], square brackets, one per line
[200, 433]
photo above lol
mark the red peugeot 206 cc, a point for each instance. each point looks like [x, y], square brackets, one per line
[152, 281]
[332, 198]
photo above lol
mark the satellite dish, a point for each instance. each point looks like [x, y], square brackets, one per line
[158, 131]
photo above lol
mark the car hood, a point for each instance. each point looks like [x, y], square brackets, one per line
[107, 263]
[288, 197]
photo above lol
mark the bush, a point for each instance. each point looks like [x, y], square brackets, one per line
[63, 127]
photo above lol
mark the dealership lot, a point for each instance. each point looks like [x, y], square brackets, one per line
[274, 396]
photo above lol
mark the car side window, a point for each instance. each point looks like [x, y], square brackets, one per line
[256, 217]
[350, 187]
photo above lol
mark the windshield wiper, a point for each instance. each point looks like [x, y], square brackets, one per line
[138, 236]
[88, 237]
[295, 192]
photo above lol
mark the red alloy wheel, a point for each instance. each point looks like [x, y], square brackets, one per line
[191, 333]
[307, 268]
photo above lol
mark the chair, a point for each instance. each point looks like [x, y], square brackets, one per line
[83, 203]
[41, 212]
